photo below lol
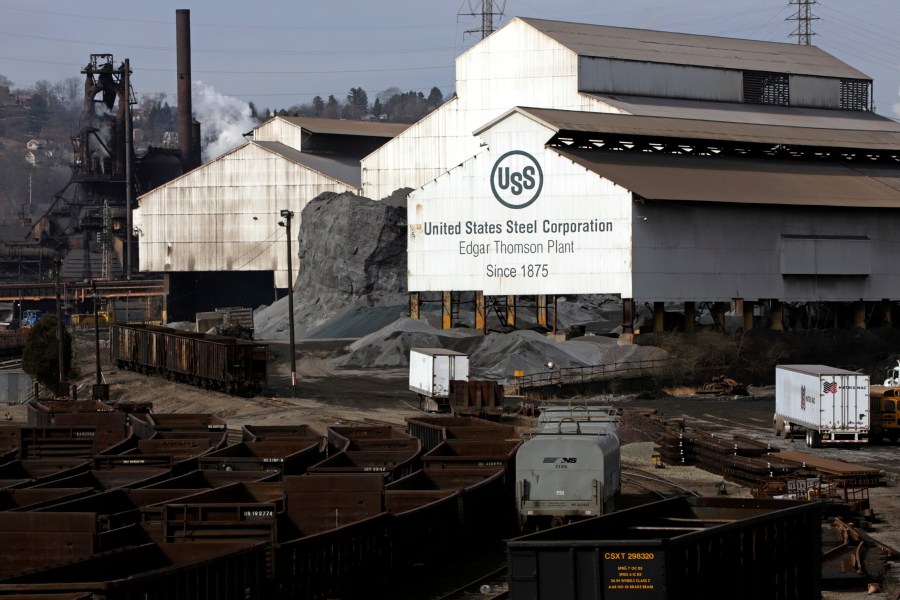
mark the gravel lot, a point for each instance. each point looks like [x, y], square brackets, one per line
[328, 396]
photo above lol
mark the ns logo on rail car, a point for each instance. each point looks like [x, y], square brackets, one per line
[561, 462]
[517, 179]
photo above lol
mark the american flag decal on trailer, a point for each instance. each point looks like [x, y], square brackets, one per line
[829, 388]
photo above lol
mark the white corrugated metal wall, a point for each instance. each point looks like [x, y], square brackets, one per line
[515, 66]
[279, 130]
[462, 237]
[224, 215]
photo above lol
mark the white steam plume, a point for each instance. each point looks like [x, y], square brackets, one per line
[223, 120]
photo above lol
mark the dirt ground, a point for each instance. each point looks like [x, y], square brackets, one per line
[327, 397]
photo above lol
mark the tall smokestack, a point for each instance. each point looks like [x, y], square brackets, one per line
[185, 128]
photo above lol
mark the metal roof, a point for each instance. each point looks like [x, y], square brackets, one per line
[346, 127]
[345, 169]
[629, 125]
[786, 116]
[695, 50]
[760, 181]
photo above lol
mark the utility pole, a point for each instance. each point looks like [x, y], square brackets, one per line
[98, 372]
[287, 215]
[129, 172]
[804, 19]
[486, 10]
[57, 267]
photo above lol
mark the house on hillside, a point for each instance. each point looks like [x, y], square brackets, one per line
[36, 150]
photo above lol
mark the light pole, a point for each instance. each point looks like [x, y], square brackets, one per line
[96, 332]
[287, 215]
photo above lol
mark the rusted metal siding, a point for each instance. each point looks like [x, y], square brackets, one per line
[613, 76]
[224, 216]
[517, 65]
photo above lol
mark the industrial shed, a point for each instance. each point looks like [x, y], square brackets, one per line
[594, 68]
[224, 215]
[663, 210]
[661, 167]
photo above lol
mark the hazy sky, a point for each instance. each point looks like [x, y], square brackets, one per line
[278, 53]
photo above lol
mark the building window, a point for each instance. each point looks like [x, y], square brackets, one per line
[854, 94]
[761, 87]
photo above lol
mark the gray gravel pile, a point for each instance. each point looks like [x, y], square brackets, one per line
[390, 346]
[352, 284]
[493, 356]
[351, 254]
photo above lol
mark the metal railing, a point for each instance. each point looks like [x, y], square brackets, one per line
[605, 372]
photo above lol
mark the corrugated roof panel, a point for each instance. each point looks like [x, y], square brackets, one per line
[656, 177]
[346, 127]
[585, 122]
[700, 50]
[342, 168]
[747, 113]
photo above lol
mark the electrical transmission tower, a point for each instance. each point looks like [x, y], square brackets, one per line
[486, 10]
[804, 19]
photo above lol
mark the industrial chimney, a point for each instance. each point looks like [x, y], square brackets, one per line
[189, 157]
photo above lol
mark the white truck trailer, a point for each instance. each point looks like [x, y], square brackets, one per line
[430, 372]
[831, 405]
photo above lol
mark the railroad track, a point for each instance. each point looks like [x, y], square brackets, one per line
[491, 586]
[654, 484]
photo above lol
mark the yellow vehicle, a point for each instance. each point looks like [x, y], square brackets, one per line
[104, 317]
[884, 412]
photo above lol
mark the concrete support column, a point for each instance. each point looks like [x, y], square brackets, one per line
[859, 315]
[627, 336]
[628, 316]
[659, 317]
[542, 310]
[480, 316]
[718, 315]
[511, 311]
[447, 310]
[776, 316]
[748, 314]
[414, 305]
[554, 314]
[886, 317]
[690, 316]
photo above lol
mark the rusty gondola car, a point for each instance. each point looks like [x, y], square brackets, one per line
[205, 360]
[337, 530]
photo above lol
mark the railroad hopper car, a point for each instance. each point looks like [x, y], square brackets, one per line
[567, 470]
[320, 535]
[434, 430]
[698, 547]
[287, 456]
[205, 360]
[109, 425]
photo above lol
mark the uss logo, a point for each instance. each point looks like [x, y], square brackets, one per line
[516, 179]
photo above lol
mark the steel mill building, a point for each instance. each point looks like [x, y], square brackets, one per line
[661, 167]
[223, 217]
